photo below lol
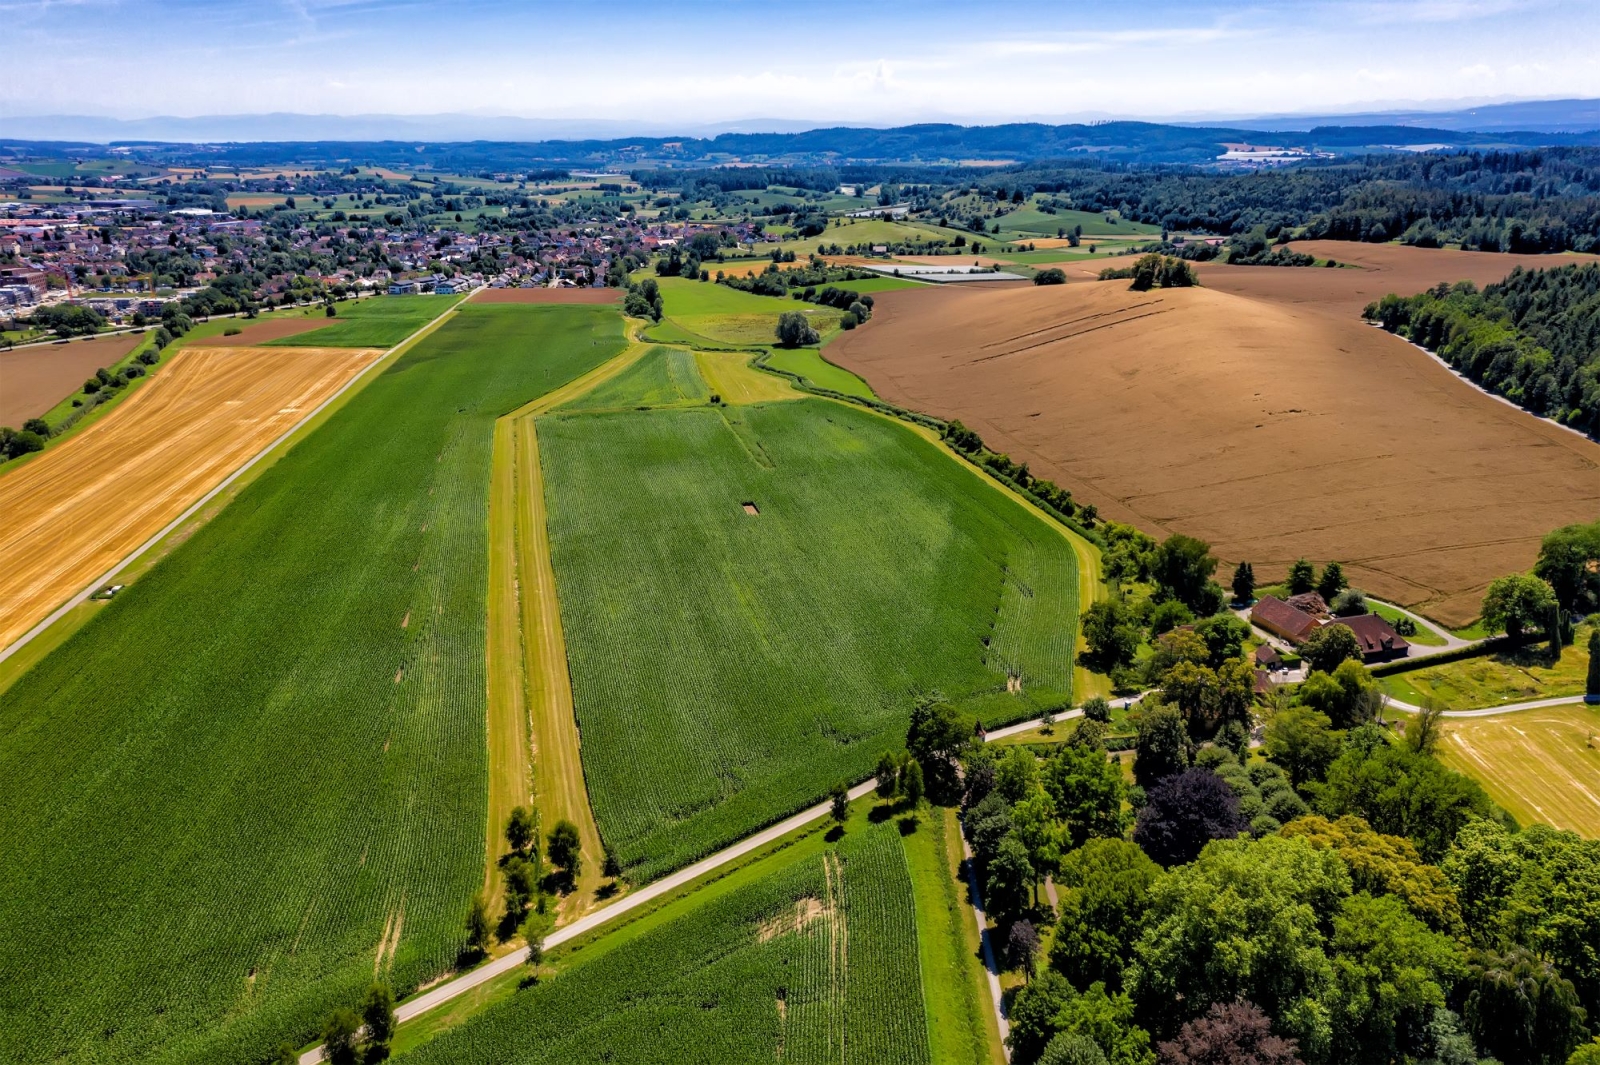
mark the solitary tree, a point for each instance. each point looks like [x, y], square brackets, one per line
[1516, 603]
[478, 926]
[1022, 946]
[1244, 583]
[519, 885]
[1010, 875]
[1302, 577]
[565, 848]
[519, 829]
[339, 1036]
[888, 776]
[378, 1013]
[794, 331]
[1097, 708]
[913, 784]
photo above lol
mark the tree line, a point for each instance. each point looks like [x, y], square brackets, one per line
[1533, 337]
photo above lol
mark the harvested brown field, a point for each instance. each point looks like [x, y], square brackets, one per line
[269, 329]
[1273, 424]
[548, 295]
[37, 377]
[78, 509]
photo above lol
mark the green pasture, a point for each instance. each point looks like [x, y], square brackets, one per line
[807, 955]
[271, 783]
[379, 322]
[704, 312]
[1517, 676]
[809, 363]
[875, 569]
[1031, 221]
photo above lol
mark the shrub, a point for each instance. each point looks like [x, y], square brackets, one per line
[1052, 276]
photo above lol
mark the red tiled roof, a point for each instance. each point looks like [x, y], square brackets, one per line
[1274, 615]
[1374, 634]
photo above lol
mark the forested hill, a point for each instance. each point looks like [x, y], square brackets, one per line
[1533, 338]
[925, 144]
[1546, 200]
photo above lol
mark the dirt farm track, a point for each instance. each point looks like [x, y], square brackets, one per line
[1257, 412]
[75, 511]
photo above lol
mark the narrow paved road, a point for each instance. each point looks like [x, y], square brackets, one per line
[1490, 711]
[507, 962]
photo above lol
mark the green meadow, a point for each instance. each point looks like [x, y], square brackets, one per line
[378, 322]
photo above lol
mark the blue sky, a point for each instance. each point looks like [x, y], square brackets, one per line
[712, 61]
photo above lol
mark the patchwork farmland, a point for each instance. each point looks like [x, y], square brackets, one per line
[80, 508]
[271, 783]
[1275, 424]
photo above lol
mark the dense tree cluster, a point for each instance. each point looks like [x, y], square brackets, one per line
[1335, 894]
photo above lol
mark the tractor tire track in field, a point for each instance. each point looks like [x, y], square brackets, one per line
[533, 731]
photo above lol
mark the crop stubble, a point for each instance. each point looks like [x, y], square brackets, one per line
[77, 510]
[1257, 412]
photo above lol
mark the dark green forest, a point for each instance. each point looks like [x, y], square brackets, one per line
[1533, 338]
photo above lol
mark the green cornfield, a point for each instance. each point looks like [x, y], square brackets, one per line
[814, 963]
[662, 377]
[258, 777]
[728, 667]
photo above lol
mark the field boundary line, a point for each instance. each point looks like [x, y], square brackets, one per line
[530, 693]
[365, 375]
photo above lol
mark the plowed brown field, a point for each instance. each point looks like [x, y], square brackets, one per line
[37, 377]
[254, 334]
[80, 508]
[1258, 413]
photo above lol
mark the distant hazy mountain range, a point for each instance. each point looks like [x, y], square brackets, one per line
[462, 139]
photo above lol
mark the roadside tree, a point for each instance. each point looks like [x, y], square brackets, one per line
[1516, 603]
